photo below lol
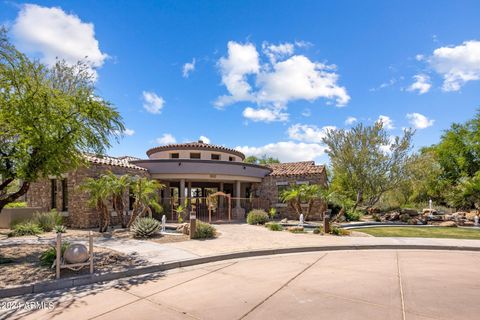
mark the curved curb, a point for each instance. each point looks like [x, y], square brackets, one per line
[52, 285]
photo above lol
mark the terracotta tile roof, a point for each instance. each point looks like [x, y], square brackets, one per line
[112, 161]
[295, 168]
[195, 146]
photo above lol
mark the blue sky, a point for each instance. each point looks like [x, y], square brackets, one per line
[268, 77]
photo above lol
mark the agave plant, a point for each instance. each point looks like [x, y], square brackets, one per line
[145, 227]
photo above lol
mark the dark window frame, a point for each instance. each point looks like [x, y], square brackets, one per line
[53, 193]
[231, 159]
[175, 155]
[216, 155]
[195, 157]
[64, 194]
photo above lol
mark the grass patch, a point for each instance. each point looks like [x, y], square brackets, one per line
[422, 232]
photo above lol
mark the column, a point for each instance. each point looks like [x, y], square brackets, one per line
[238, 194]
[182, 192]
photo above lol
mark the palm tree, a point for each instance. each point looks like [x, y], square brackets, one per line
[145, 192]
[99, 192]
[296, 195]
[118, 186]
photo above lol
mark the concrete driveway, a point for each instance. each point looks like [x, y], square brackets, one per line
[375, 284]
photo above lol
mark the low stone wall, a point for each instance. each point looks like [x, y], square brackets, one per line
[9, 215]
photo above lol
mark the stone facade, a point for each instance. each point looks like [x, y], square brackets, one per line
[79, 213]
[270, 186]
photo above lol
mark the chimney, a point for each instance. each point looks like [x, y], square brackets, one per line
[200, 141]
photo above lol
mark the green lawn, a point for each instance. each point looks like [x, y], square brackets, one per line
[422, 232]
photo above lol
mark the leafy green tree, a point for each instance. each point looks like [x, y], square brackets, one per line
[48, 118]
[99, 193]
[296, 195]
[366, 162]
[145, 192]
[118, 187]
[263, 160]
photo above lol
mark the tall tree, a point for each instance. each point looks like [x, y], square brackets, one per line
[296, 195]
[145, 192]
[48, 118]
[263, 160]
[366, 162]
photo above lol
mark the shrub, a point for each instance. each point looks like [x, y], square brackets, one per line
[339, 232]
[48, 256]
[352, 215]
[257, 217]
[318, 230]
[204, 231]
[145, 227]
[272, 213]
[273, 226]
[60, 229]
[19, 204]
[48, 220]
[26, 228]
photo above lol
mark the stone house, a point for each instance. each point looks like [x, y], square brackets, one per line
[212, 181]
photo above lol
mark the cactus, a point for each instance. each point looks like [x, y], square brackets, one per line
[145, 227]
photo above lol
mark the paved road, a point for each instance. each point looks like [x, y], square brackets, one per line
[375, 284]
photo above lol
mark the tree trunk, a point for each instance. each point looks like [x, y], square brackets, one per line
[100, 215]
[106, 217]
[15, 195]
[359, 200]
[135, 213]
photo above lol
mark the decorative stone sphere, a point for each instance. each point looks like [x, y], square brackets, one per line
[76, 253]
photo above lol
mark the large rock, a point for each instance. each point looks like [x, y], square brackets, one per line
[410, 212]
[447, 224]
[76, 253]
[373, 210]
[404, 217]
[429, 212]
[392, 216]
[471, 215]
[284, 220]
[184, 228]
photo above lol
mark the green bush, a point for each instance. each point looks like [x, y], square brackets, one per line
[26, 228]
[48, 220]
[272, 213]
[60, 229]
[353, 215]
[204, 231]
[273, 226]
[20, 204]
[318, 230]
[145, 227]
[339, 232]
[48, 256]
[257, 217]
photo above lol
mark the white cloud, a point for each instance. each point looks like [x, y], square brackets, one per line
[167, 138]
[129, 132]
[204, 139]
[274, 52]
[152, 102]
[286, 151]
[457, 65]
[386, 121]
[350, 120]
[419, 121]
[276, 83]
[386, 147]
[188, 68]
[265, 114]
[306, 113]
[241, 61]
[51, 33]
[308, 133]
[422, 84]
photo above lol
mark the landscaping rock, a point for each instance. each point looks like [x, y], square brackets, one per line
[284, 220]
[429, 212]
[471, 215]
[435, 218]
[448, 224]
[295, 229]
[458, 215]
[184, 228]
[392, 216]
[410, 212]
[404, 217]
[412, 221]
[374, 210]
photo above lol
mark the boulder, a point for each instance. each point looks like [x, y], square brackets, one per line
[404, 217]
[435, 218]
[459, 214]
[295, 229]
[373, 210]
[284, 220]
[392, 216]
[471, 215]
[184, 228]
[468, 224]
[447, 224]
[413, 221]
[410, 212]
[429, 212]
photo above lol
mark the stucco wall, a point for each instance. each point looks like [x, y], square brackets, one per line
[204, 155]
[80, 214]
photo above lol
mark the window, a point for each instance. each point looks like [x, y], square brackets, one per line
[215, 156]
[280, 189]
[174, 156]
[53, 193]
[194, 155]
[231, 158]
[64, 195]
